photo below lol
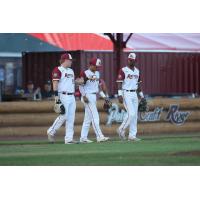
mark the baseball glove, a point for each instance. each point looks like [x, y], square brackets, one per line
[107, 104]
[59, 108]
[143, 107]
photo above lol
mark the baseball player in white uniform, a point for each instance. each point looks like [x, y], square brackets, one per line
[128, 90]
[89, 91]
[64, 88]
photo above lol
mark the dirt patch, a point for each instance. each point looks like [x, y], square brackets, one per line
[187, 153]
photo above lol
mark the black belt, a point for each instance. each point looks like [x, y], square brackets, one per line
[67, 93]
[130, 90]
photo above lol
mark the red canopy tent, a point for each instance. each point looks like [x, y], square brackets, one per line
[138, 41]
[76, 41]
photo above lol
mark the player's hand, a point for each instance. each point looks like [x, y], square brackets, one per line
[56, 99]
[120, 99]
[85, 99]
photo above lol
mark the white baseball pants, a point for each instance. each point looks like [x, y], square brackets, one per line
[130, 101]
[70, 107]
[91, 116]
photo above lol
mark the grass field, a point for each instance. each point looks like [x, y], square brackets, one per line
[152, 150]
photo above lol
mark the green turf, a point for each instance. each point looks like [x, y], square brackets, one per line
[149, 151]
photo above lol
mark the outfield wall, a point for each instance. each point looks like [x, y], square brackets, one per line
[33, 118]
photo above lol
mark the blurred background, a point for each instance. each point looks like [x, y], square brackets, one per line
[169, 63]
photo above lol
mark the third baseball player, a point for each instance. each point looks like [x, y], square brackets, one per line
[128, 90]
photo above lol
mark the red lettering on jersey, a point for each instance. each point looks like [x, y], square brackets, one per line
[136, 76]
[68, 75]
[132, 76]
[93, 78]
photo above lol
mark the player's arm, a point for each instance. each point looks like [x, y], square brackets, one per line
[81, 86]
[56, 75]
[83, 94]
[120, 79]
[103, 89]
[104, 92]
[55, 90]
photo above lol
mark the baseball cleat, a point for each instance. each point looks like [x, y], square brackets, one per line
[71, 142]
[134, 139]
[85, 140]
[121, 134]
[51, 138]
[102, 139]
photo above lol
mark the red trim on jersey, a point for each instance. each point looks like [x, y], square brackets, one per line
[83, 75]
[121, 75]
[56, 74]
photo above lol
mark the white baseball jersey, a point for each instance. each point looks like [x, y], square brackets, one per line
[92, 81]
[65, 76]
[129, 78]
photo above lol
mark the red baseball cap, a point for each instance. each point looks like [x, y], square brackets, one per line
[66, 56]
[95, 62]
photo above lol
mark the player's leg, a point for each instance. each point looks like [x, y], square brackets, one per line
[51, 132]
[126, 122]
[94, 116]
[133, 122]
[85, 127]
[56, 125]
[70, 116]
